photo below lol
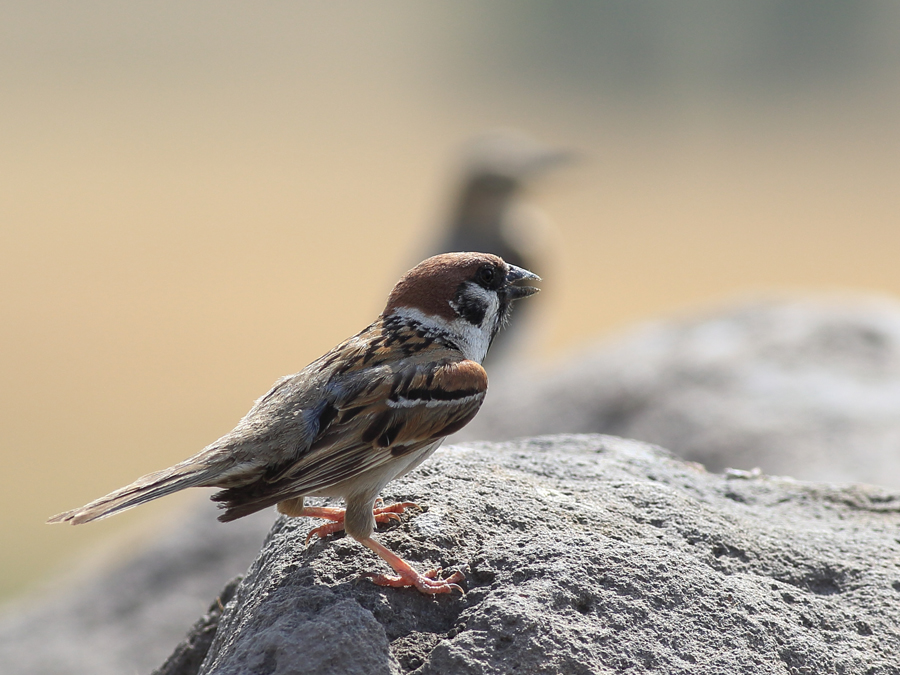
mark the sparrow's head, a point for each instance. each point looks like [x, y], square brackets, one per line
[467, 295]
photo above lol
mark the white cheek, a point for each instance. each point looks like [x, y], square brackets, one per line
[475, 340]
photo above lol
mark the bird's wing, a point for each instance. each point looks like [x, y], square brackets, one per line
[367, 424]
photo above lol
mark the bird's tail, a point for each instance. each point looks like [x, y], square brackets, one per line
[189, 473]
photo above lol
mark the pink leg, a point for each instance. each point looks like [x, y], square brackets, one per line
[328, 513]
[384, 514]
[428, 583]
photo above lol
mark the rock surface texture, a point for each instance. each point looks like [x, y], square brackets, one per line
[585, 554]
[126, 617]
[806, 388]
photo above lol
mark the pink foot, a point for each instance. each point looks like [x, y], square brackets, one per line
[429, 583]
[383, 514]
[324, 530]
[388, 513]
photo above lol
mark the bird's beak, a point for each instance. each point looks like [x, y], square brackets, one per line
[515, 275]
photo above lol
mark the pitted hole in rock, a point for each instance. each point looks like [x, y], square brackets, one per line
[821, 581]
[504, 641]
[584, 605]
[823, 585]
[411, 651]
[723, 550]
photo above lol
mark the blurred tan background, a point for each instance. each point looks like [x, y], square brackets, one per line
[196, 199]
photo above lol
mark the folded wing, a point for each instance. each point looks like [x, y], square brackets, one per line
[363, 426]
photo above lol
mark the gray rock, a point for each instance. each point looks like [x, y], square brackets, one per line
[807, 388]
[126, 617]
[190, 653]
[585, 554]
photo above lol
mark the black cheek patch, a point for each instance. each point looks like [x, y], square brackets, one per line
[469, 306]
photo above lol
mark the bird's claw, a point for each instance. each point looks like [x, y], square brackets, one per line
[388, 514]
[428, 583]
[324, 530]
[399, 507]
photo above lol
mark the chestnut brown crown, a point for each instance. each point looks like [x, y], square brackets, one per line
[434, 284]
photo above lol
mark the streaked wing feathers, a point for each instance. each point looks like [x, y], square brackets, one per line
[394, 412]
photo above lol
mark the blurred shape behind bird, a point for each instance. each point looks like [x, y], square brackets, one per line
[487, 212]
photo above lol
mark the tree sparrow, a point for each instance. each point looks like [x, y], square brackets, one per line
[368, 411]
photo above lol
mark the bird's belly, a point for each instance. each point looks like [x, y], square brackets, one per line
[371, 482]
[417, 458]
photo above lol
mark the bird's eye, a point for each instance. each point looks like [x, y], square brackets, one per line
[486, 275]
